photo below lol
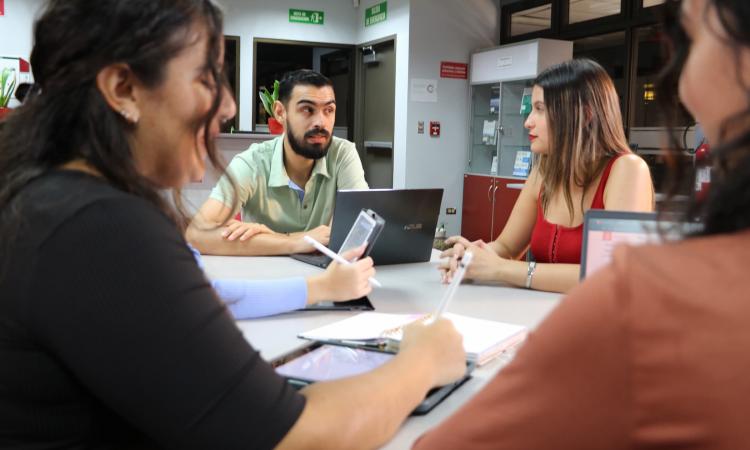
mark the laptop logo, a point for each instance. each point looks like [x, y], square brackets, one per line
[413, 226]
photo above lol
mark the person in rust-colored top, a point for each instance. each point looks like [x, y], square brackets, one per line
[646, 352]
[652, 351]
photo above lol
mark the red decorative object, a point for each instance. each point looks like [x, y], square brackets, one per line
[4, 112]
[275, 127]
[457, 70]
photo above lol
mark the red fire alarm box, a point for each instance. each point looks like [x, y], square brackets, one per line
[434, 129]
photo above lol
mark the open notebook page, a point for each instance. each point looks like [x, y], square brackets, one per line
[483, 339]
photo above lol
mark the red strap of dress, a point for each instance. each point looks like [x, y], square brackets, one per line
[598, 202]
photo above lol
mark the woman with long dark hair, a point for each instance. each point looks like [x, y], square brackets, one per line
[110, 334]
[582, 161]
[650, 352]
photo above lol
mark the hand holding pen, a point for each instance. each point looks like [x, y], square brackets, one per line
[463, 264]
[334, 256]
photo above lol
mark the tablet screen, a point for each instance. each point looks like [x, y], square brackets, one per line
[359, 233]
[330, 362]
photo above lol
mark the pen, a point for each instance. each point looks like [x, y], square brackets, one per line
[453, 287]
[327, 251]
[382, 345]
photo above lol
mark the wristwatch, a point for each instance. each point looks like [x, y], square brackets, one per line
[530, 274]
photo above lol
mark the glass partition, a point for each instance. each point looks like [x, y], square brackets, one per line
[610, 50]
[649, 3]
[649, 42]
[531, 20]
[584, 10]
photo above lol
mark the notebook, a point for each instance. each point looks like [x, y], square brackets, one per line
[483, 339]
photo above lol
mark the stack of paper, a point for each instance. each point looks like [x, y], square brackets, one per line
[483, 339]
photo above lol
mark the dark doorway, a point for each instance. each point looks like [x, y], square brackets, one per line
[275, 58]
[232, 71]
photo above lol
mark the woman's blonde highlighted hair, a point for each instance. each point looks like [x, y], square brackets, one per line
[585, 127]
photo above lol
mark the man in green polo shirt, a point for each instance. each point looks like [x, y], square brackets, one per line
[285, 187]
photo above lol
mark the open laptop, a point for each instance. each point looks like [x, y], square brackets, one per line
[410, 215]
[603, 230]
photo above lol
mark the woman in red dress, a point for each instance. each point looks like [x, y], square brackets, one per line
[582, 162]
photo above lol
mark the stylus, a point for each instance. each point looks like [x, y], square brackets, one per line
[463, 263]
[327, 251]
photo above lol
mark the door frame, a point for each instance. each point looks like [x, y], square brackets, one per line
[235, 121]
[359, 93]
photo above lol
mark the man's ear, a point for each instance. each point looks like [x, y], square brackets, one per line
[279, 111]
[117, 84]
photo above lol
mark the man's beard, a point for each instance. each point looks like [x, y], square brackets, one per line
[309, 151]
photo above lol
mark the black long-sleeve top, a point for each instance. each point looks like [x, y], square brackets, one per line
[111, 337]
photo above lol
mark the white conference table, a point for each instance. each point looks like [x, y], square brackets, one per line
[407, 288]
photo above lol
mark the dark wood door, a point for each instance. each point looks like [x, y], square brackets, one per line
[476, 218]
[505, 199]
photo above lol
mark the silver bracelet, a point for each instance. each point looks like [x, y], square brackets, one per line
[530, 274]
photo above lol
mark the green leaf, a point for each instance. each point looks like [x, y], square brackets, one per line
[6, 90]
[275, 90]
[265, 98]
[268, 98]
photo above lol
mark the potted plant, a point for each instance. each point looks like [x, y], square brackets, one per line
[7, 84]
[268, 99]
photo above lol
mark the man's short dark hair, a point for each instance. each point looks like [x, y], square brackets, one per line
[300, 77]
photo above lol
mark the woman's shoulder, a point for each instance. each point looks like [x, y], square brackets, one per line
[68, 197]
[628, 185]
[628, 164]
[535, 180]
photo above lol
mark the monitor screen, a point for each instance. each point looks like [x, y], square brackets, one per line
[606, 233]
[604, 230]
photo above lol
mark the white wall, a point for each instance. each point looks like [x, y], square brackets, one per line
[16, 26]
[264, 19]
[448, 32]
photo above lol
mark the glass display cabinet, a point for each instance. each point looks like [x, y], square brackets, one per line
[499, 155]
[501, 80]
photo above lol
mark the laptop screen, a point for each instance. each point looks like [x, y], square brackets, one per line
[604, 230]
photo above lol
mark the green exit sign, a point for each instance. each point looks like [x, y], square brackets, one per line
[376, 14]
[304, 16]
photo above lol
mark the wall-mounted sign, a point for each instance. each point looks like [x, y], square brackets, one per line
[434, 129]
[450, 69]
[424, 90]
[305, 16]
[505, 62]
[376, 14]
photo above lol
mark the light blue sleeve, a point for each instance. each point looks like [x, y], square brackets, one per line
[247, 299]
